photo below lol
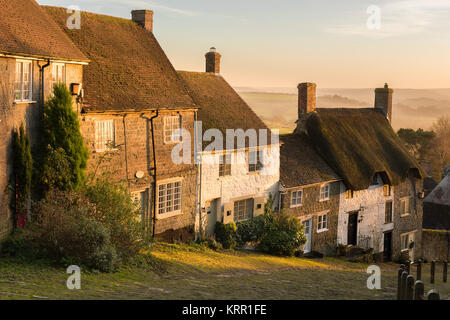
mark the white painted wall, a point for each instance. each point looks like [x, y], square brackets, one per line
[371, 221]
[241, 183]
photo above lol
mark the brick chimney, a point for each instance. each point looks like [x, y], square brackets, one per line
[383, 100]
[306, 104]
[213, 61]
[144, 18]
[306, 98]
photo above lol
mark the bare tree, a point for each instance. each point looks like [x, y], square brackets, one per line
[441, 145]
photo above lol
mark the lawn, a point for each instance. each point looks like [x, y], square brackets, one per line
[191, 272]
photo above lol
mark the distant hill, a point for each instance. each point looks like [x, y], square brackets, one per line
[412, 108]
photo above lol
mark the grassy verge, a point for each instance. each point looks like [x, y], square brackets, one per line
[191, 272]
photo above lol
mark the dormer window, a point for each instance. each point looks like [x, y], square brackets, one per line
[23, 86]
[375, 180]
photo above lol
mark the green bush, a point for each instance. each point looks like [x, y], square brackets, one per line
[61, 134]
[22, 169]
[226, 234]
[284, 237]
[275, 234]
[115, 209]
[251, 231]
[64, 230]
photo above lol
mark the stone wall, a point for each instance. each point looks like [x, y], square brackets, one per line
[133, 153]
[325, 241]
[411, 223]
[435, 245]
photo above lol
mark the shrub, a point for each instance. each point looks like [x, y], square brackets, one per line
[115, 209]
[226, 234]
[61, 134]
[254, 229]
[283, 237]
[63, 230]
[22, 168]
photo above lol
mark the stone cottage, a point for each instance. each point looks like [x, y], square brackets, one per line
[133, 108]
[380, 195]
[310, 190]
[34, 54]
[236, 180]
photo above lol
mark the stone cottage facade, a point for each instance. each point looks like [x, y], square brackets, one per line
[309, 190]
[380, 203]
[33, 56]
[236, 181]
[134, 106]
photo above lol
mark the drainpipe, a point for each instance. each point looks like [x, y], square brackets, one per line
[126, 149]
[154, 171]
[41, 89]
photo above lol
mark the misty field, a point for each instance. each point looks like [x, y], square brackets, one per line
[412, 108]
[191, 272]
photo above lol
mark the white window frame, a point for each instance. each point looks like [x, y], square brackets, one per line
[248, 207]
[258, 165]
[322, 222]
[169, 204]
[105, 135]
[296, 198]
[172, 123]
[407, 211]
[225, 165]
[21, 83]
[325, 192]
[409, 240]
[55, 73]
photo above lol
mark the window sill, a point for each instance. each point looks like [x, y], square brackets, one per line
[296, 206]
[168, 215]
[404, 215]
[322, 230]
[24, 102]
[106, 150]
[251, 173]
[323, 200]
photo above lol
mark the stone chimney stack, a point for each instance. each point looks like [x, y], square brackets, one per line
[213, 61]
[144, 18]
[306, 98]
[383, 100]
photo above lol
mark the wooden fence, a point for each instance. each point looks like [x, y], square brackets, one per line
[409, 288]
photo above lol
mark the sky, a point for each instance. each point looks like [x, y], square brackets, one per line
[280, 43]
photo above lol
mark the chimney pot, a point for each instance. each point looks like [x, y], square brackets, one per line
[383, 100]
[144, 18]
[213, 61]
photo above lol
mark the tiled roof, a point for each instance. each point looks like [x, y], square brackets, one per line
[300, 165]
[220, 106]
[26, 30]
[128, 69]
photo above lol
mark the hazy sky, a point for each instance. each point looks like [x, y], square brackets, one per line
[269, 43]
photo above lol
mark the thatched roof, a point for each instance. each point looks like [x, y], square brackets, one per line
[300, 165]
[359, 143]
[128, 69]
[220, 105]
[26, 30]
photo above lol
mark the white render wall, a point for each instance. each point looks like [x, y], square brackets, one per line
[241, 183]
[370, 221]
